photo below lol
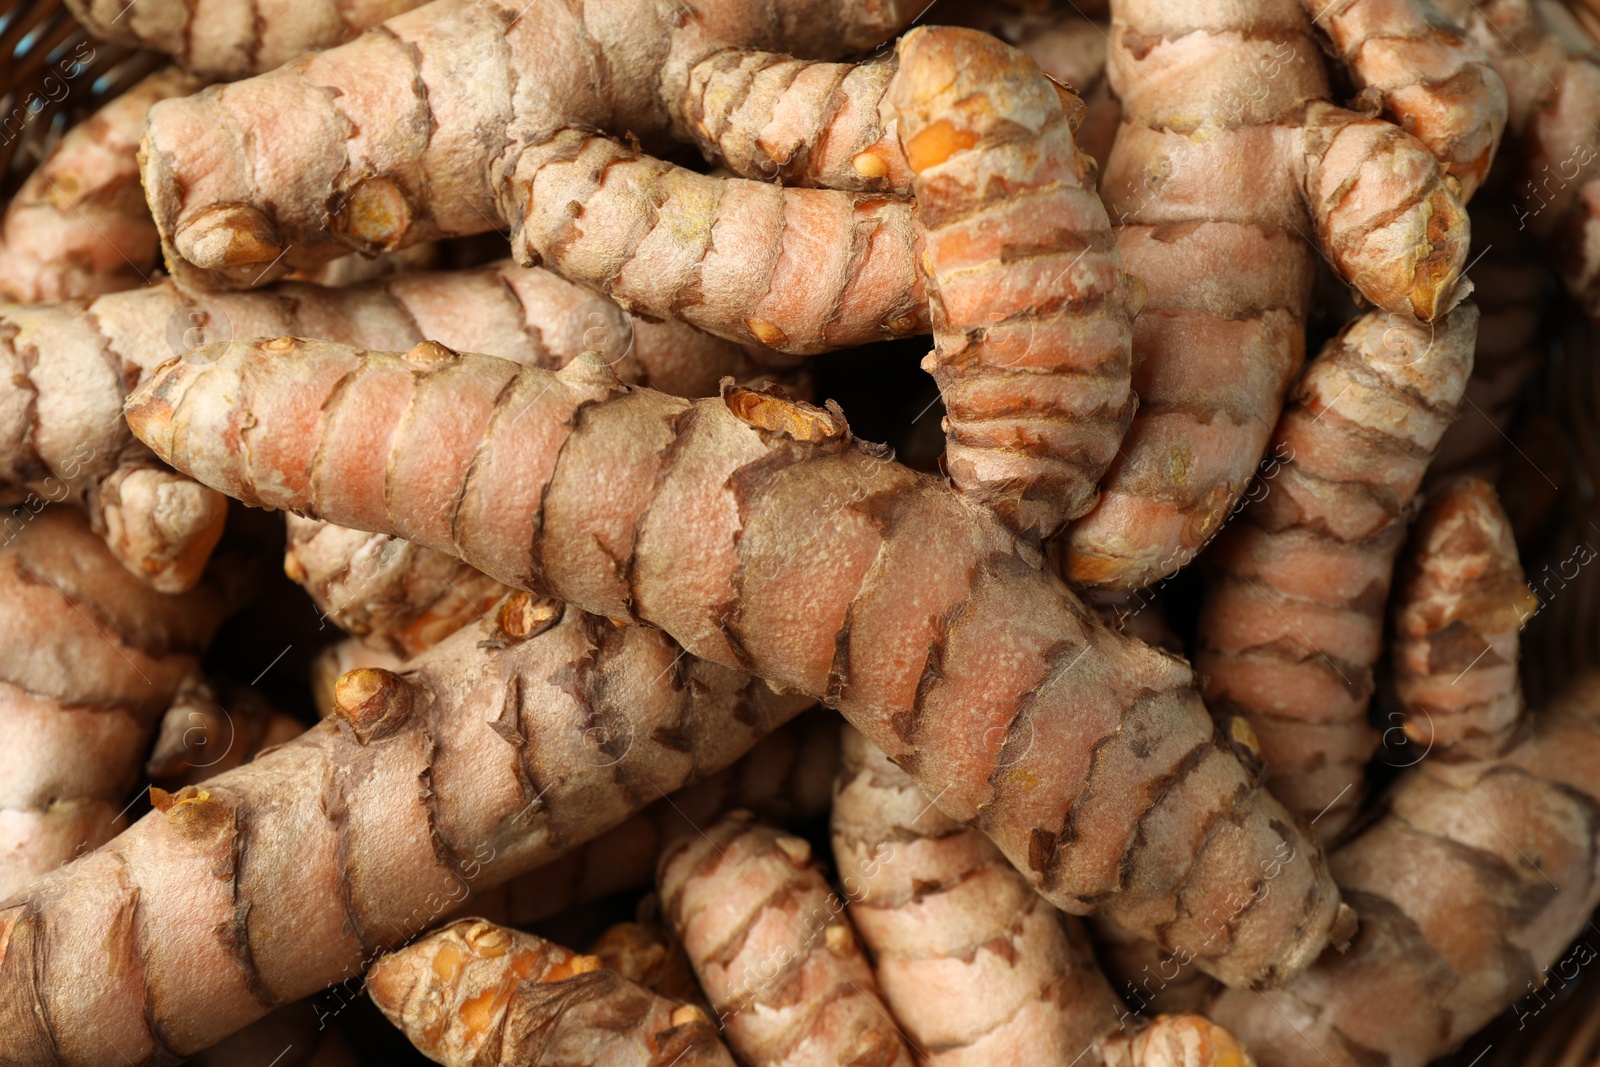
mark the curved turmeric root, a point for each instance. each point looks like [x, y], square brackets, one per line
[398, 597]
[973, 963]
[79, 225]
[89, 660]
[1425, 74]
[473, 994]
[775, 954]
[1470, 887]
[1067, 45]
[66, 368]
[1228, 159]
[202, 735]
[235, 37]
[1551, 70]
[1031, 325]
[758, 532]
[1458, 610]
[976, 967]
[1292, 623]
[786, 778]
[506, 745]
[392, 146]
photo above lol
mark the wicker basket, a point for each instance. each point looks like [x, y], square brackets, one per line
[56, 76]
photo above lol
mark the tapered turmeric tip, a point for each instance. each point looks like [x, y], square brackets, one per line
[473, 994]
[1460, 604]
[1186, 1040]
[1031, 309]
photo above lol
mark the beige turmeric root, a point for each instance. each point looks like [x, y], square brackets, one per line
[79, 225]
[89, 660]
[973, 963]
[1470, 886]
[1292, 622]
[504, 746]
[67, 367]
[1067, 45]
[758, 532]
[1187, 1040]
[391, 145]
[1426, 75]
[648, 954]
[773, 949]
[1551, 71]
[786, 778]
[1031, 323]
[1228, 159]
[473, 994]
[1459, 605]
[236, 37]
[976, 967]
[202, 734]
[398, 597]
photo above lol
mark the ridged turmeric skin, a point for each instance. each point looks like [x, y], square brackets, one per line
[361, 833]
[1292, 622]
[1459, 607]
[1230, 171]
[472, 994]
[817, 564]
[1031, 322]
[774, 951]
[1470, 885]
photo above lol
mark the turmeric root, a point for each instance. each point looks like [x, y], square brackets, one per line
[69, 365]
[1551, 71]
[975, 966]
[1458, 611]
[399, 597]
[1292, 622]
[1470, 885]
[1426, 75]
[473, 994]
[1228, 157]
[1031, 326]
[79, 225]
[759, 533]
[647, 954]
[391, 146]
[201, 736]
[785, 779]
[89, 661]
[972, 962]
[773, 949]
[1175, 1041]
[1067, 45]
[502, 747]
[1587, 14]
[237, 37]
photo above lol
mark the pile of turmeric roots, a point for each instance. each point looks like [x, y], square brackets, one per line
[1182, 720]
